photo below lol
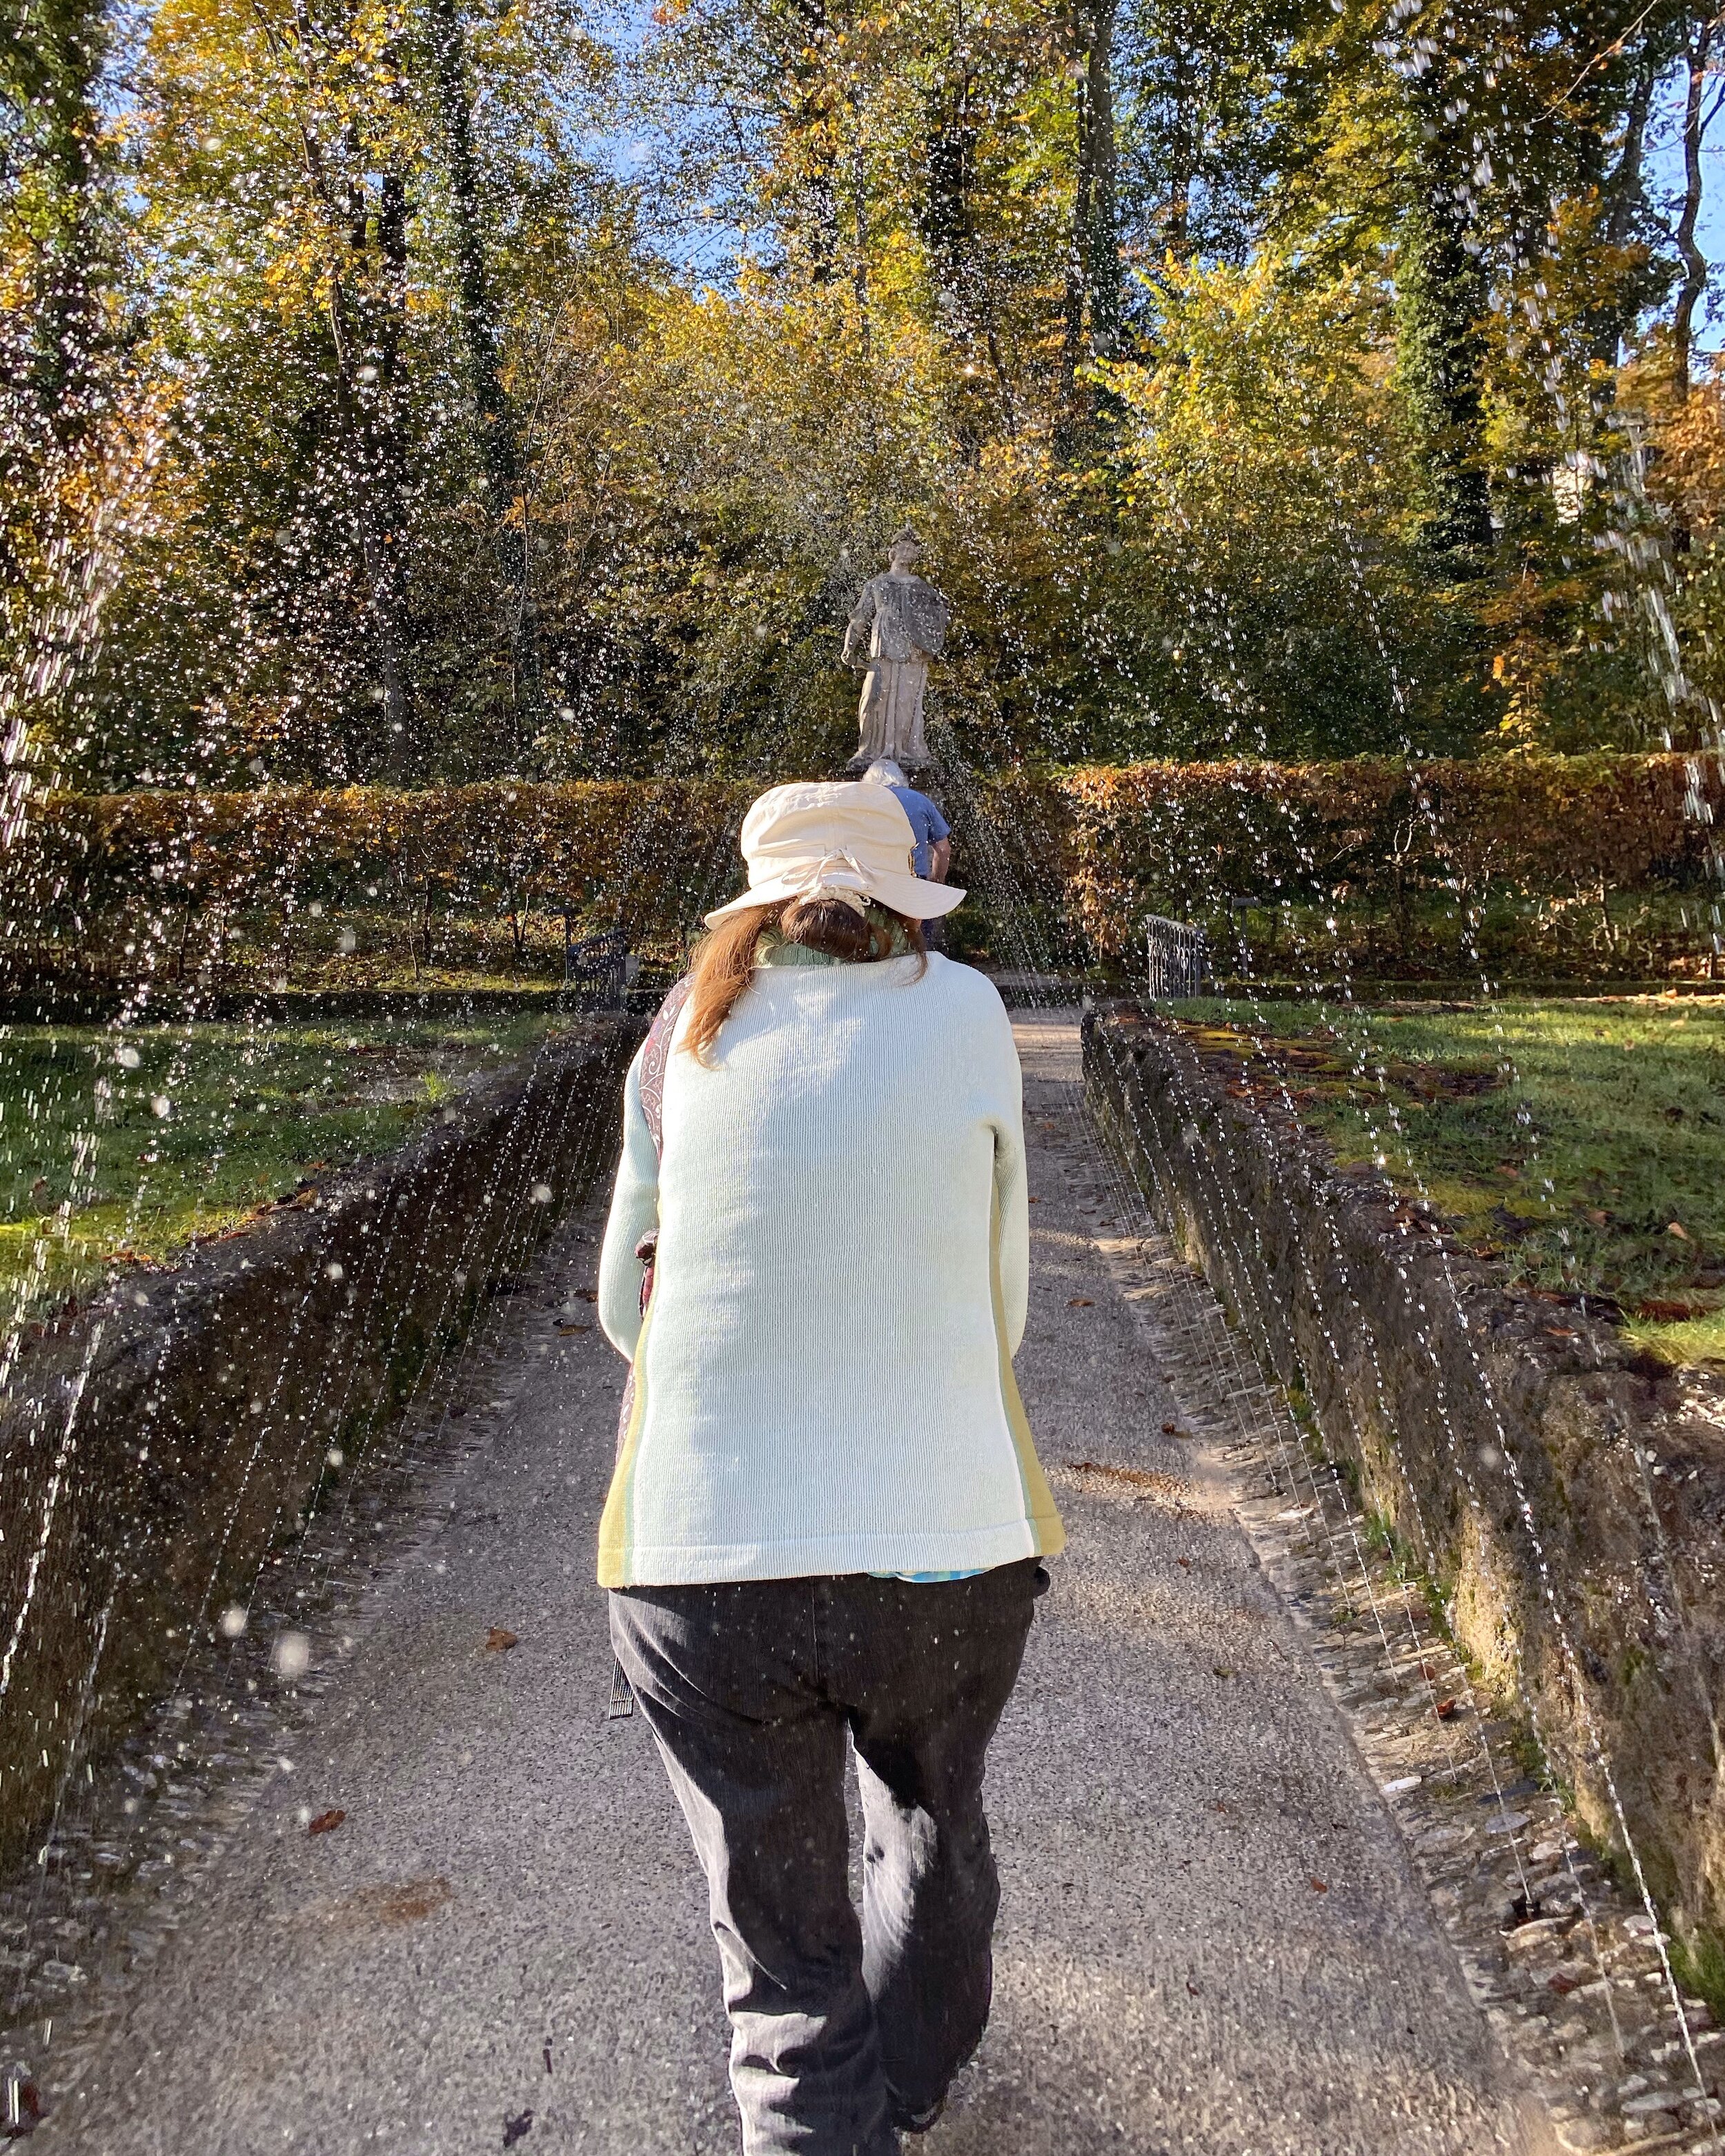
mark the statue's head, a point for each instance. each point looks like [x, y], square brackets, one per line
[903, 549]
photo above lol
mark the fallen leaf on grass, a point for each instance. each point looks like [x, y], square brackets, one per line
[1079, 1302]
[498, 1641]
[1598, 1215]
[517, 2129]
[1677, 1229]
[1658, 1311]
[328, 1822]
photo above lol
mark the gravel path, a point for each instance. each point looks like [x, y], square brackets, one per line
[1211, 1944]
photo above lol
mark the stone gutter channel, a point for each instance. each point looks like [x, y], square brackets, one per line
[1498, 1528]
[163, 1449]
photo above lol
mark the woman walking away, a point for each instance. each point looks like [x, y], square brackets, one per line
[827, 1516]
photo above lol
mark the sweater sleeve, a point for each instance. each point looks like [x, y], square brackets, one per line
[634, 1212]
[1013, 1190]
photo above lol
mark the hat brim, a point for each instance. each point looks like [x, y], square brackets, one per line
[913, 896]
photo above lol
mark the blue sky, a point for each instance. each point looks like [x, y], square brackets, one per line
[708, 247]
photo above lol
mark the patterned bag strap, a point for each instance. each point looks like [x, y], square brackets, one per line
[655, 1057]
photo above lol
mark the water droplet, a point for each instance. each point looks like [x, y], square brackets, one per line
[231, 1621]
[291, 1655]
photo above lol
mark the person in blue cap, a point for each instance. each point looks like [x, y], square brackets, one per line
[934, 834]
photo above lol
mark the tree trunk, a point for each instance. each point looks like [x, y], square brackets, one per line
[499, 442]
[860, 192]
[57, 67]
[811, 121]
[377, 519]
[956, 269]
[1626, 198]
[1098, 235]
[1443, 303]
[1694, 288]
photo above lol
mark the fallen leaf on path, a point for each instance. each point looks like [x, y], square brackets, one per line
[1320, 1886]
[1194, 1989]
[1446, 1708]
[1079, 1302]
[574, 1328]
[399, 1902]
[1184, 1563]
[328, 1822]
[517, 2129]
[24, 2111]
[1172, 1430]
[498, 1641]
[1563, 1980]
[1224, 1670]
[586, 1295]
[1169, 1487]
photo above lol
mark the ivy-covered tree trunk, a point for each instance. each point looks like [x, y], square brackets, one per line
[951, 241]
[498, 439]
[51, 61]
[57, 366]
[1093, 274]
[1443, 305]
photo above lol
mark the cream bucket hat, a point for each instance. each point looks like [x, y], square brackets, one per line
[851, 842]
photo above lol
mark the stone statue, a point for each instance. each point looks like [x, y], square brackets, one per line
[903, 621]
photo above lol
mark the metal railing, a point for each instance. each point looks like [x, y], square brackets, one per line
[602, 965]
[1176, 957]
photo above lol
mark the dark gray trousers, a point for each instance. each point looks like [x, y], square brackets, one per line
[751, 1689]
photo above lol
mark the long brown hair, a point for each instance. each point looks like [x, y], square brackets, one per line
[725, 959]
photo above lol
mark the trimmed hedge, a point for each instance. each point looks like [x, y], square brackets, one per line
[204, 870]
[1184, 839]
[192, 879]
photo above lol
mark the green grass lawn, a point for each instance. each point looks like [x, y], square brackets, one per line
[119, 1146]
[1581, 1143]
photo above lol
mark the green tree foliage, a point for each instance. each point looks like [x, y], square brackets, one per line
[438, 389]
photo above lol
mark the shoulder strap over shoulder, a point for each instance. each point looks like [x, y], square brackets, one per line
[655, 1057]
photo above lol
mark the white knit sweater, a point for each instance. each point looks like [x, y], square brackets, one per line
[823, 1383]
